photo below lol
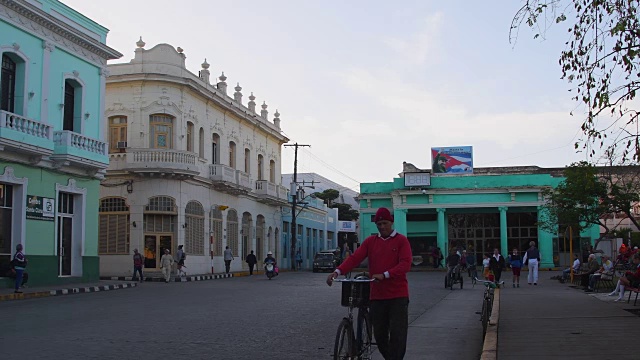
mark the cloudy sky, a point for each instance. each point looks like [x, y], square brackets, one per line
[370, 84]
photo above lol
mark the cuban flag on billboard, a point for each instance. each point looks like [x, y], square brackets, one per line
[452, 160]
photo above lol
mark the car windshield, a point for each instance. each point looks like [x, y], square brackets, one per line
[324, 257]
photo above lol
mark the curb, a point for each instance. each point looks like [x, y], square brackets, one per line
[490, 346]
[67, 291]
[173, 279]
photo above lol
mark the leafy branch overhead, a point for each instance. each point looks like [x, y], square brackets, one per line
[345, 211]
[600, 60]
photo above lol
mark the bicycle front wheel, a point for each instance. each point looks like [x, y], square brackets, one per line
[344, 341]
[364, 335]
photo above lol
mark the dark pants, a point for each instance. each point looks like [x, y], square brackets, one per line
[250, 269]
[497, 273]
[136, 270]
[227, 265]
[19, 275]
[390, 321]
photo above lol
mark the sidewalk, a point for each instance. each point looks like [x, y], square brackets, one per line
[558, 321]
[66, 289]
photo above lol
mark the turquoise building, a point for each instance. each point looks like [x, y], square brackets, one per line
[491, 208]
[52, 139]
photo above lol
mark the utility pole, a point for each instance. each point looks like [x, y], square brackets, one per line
[294, 200]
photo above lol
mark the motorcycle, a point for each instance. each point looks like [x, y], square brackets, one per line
[271, 270]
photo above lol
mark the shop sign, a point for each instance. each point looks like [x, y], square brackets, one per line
[40, 208]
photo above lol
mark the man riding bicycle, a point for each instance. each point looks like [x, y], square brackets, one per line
[453, 262]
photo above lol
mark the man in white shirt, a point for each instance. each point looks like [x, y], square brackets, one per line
[575, 267]
[605, 270]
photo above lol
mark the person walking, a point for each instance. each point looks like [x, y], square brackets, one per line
[389, 254]
[228, 257]
[252, 261]
[137, 265]
[496, 264]
[532, 259]
[19, 264]
[299, 259]
[515, 261]
[180, 259]
[166, 263]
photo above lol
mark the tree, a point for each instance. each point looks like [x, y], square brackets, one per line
[346, 212]
[601, 60]
[327, 195]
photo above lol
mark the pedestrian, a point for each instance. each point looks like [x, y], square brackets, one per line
[137, 265]
[228, 256]
[389, 254]
[180, 259]
[166, 264]
[19, 264]
[299, 259]
[496, 264]
[485, 266]
[532, 259]
[515, 261]
[252, 261]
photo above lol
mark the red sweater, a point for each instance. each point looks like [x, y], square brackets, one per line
[392, 255]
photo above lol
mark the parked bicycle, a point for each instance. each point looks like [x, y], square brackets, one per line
[354, 343]
[487, 302]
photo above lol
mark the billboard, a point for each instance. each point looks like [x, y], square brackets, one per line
[346, 226]
[452, 160]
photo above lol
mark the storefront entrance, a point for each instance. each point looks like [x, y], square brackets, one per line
[154, 245]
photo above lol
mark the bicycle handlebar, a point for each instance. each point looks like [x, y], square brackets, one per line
[354, 280]
[486, 282]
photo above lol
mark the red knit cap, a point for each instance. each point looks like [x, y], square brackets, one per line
[383, 214]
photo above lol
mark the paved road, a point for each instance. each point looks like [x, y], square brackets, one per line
[294, 316]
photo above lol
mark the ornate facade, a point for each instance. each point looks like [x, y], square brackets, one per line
[189, 165]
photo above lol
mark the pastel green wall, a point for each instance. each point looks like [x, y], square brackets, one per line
[43, 271]
[48, 5]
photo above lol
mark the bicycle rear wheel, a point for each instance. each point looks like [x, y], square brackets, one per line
[342, 348]
[364, 335]
[484, 317]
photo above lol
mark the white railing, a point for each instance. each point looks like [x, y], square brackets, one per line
[243, 179]
[264, 187]
[79, 141]
[161, 156]
[219, 172]
[25, 125]
[283, 193]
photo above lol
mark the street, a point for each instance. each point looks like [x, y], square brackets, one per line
[294, 316]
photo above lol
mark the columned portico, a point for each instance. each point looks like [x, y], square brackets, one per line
[545, 243]
[400, 220]
[442, 238]
[504, 247]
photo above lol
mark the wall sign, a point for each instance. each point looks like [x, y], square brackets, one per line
[40, 208]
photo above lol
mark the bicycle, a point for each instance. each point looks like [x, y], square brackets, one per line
[472, 270]
[453, 277]
[349, 345]
[487, 302]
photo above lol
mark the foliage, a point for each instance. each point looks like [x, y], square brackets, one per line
[346, 212]
[601, 59]
[327, 195]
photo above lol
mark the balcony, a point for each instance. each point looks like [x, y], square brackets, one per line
[22, 135]
[75, 149]
[243, 180]
[228, 179]
[270, 193]
[152, 162]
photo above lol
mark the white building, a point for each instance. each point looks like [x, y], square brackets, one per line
[189, 165]
[321, 183]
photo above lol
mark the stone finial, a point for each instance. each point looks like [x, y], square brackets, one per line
[180, 50]
[222, 85]
[140, 43]
[252, 103]
[264, 113]
[238, 95]
[276, 119]
[204, 73]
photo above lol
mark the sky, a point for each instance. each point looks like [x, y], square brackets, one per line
[370, 84]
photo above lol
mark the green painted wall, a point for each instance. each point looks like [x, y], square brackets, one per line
[430, 227]
[42, 271]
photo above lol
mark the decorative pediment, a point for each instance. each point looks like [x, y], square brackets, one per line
[234, 136]
[261, 149]
[248, 143]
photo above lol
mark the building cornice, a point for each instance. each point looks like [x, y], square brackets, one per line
[36, 21]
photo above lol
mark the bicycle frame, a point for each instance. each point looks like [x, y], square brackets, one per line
[357, 346]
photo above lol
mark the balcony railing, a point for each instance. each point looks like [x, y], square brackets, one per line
[264, 187]
[71, 140]
[219, 172]
[154, 157]
[243, 179]
[283, 193]
[25, 125]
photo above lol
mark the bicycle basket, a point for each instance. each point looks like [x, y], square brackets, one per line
[355, 294]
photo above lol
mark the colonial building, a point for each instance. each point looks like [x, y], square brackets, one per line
[190, 165]
[492, 208]
[53, 149]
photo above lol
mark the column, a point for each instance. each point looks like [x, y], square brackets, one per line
[442, 239]
[400, 221]
[504, 246]
[545, 242]
[44, 91]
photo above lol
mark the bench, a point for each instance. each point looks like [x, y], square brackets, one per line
[605, 281]
[633, 290]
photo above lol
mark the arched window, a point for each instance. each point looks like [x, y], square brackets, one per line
[201, 143]
[232, 231]
[189, 136]
[164, 204]
[215, 222]
[117, 133]
[247, 232]
[260, 167]
[247, 161]
[161, 131]
[215, 149]
[13, 83]
[113, 227]
[260, 237]
[232, 154]
[272, 171]
[194, 228]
